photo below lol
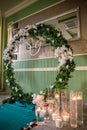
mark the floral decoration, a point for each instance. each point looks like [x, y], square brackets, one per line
[63, 53]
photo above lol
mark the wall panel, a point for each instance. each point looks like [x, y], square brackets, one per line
[32, 80]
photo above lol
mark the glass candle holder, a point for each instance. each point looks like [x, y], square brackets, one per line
[59, 122]
[73, 109]
[39, 114]
[64, 103]
[65, 117]
[80, 108]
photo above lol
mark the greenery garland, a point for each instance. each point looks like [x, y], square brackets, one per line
[63, 52]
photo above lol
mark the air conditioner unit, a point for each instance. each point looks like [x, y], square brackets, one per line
[70, 24]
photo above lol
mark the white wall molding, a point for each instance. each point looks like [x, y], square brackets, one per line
[78, 68]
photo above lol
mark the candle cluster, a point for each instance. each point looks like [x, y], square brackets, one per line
[60, 110]
[76, 109]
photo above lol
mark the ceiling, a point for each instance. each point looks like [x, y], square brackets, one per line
[5, 5]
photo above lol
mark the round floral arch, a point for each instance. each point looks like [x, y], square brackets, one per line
[63, 52]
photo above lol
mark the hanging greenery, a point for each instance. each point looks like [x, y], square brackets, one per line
[62, 50]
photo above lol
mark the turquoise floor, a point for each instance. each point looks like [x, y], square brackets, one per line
[15, 116]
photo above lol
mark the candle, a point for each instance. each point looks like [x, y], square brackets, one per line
[59, 123]
[50, 110]
[66, 117]
[37, 112]
[42, 112]
[56, 96]
[54, 116]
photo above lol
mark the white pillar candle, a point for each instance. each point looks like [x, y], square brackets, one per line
[54, 116]
[66, 118]
[56, 96]
[50, 110]
[59, 123]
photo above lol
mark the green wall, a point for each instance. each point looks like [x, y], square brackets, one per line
[35, 7]
[34, 81]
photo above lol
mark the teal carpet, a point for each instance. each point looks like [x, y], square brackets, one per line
[15, 116]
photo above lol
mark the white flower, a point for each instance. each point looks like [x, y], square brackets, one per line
[47, 29]
[11, 77]
[20, 95]
[60, 80]
[63, 48]
[58, 52]
[35, 31]
[16, 89]
[13, 98]
[34, 101]
[41, 92]
[51, 86]
[13, 88]
[62, 61]
[38, 99]
[7, 80]
[67, 66]
[34, 26]
[52, 41]
[58, 34]
[34, 95]
[16, 36]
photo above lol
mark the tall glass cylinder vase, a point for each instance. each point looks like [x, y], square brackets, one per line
[73, 109]
[65, 106]
[58, 99]
[79, 108]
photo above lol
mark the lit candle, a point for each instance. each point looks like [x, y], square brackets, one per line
[42, 112]
[54, 116]
[59, 123]
[56, 96]
[50, 110]
[66, 117]
[37, 111]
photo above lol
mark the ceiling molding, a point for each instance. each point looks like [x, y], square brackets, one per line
[19, 7]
